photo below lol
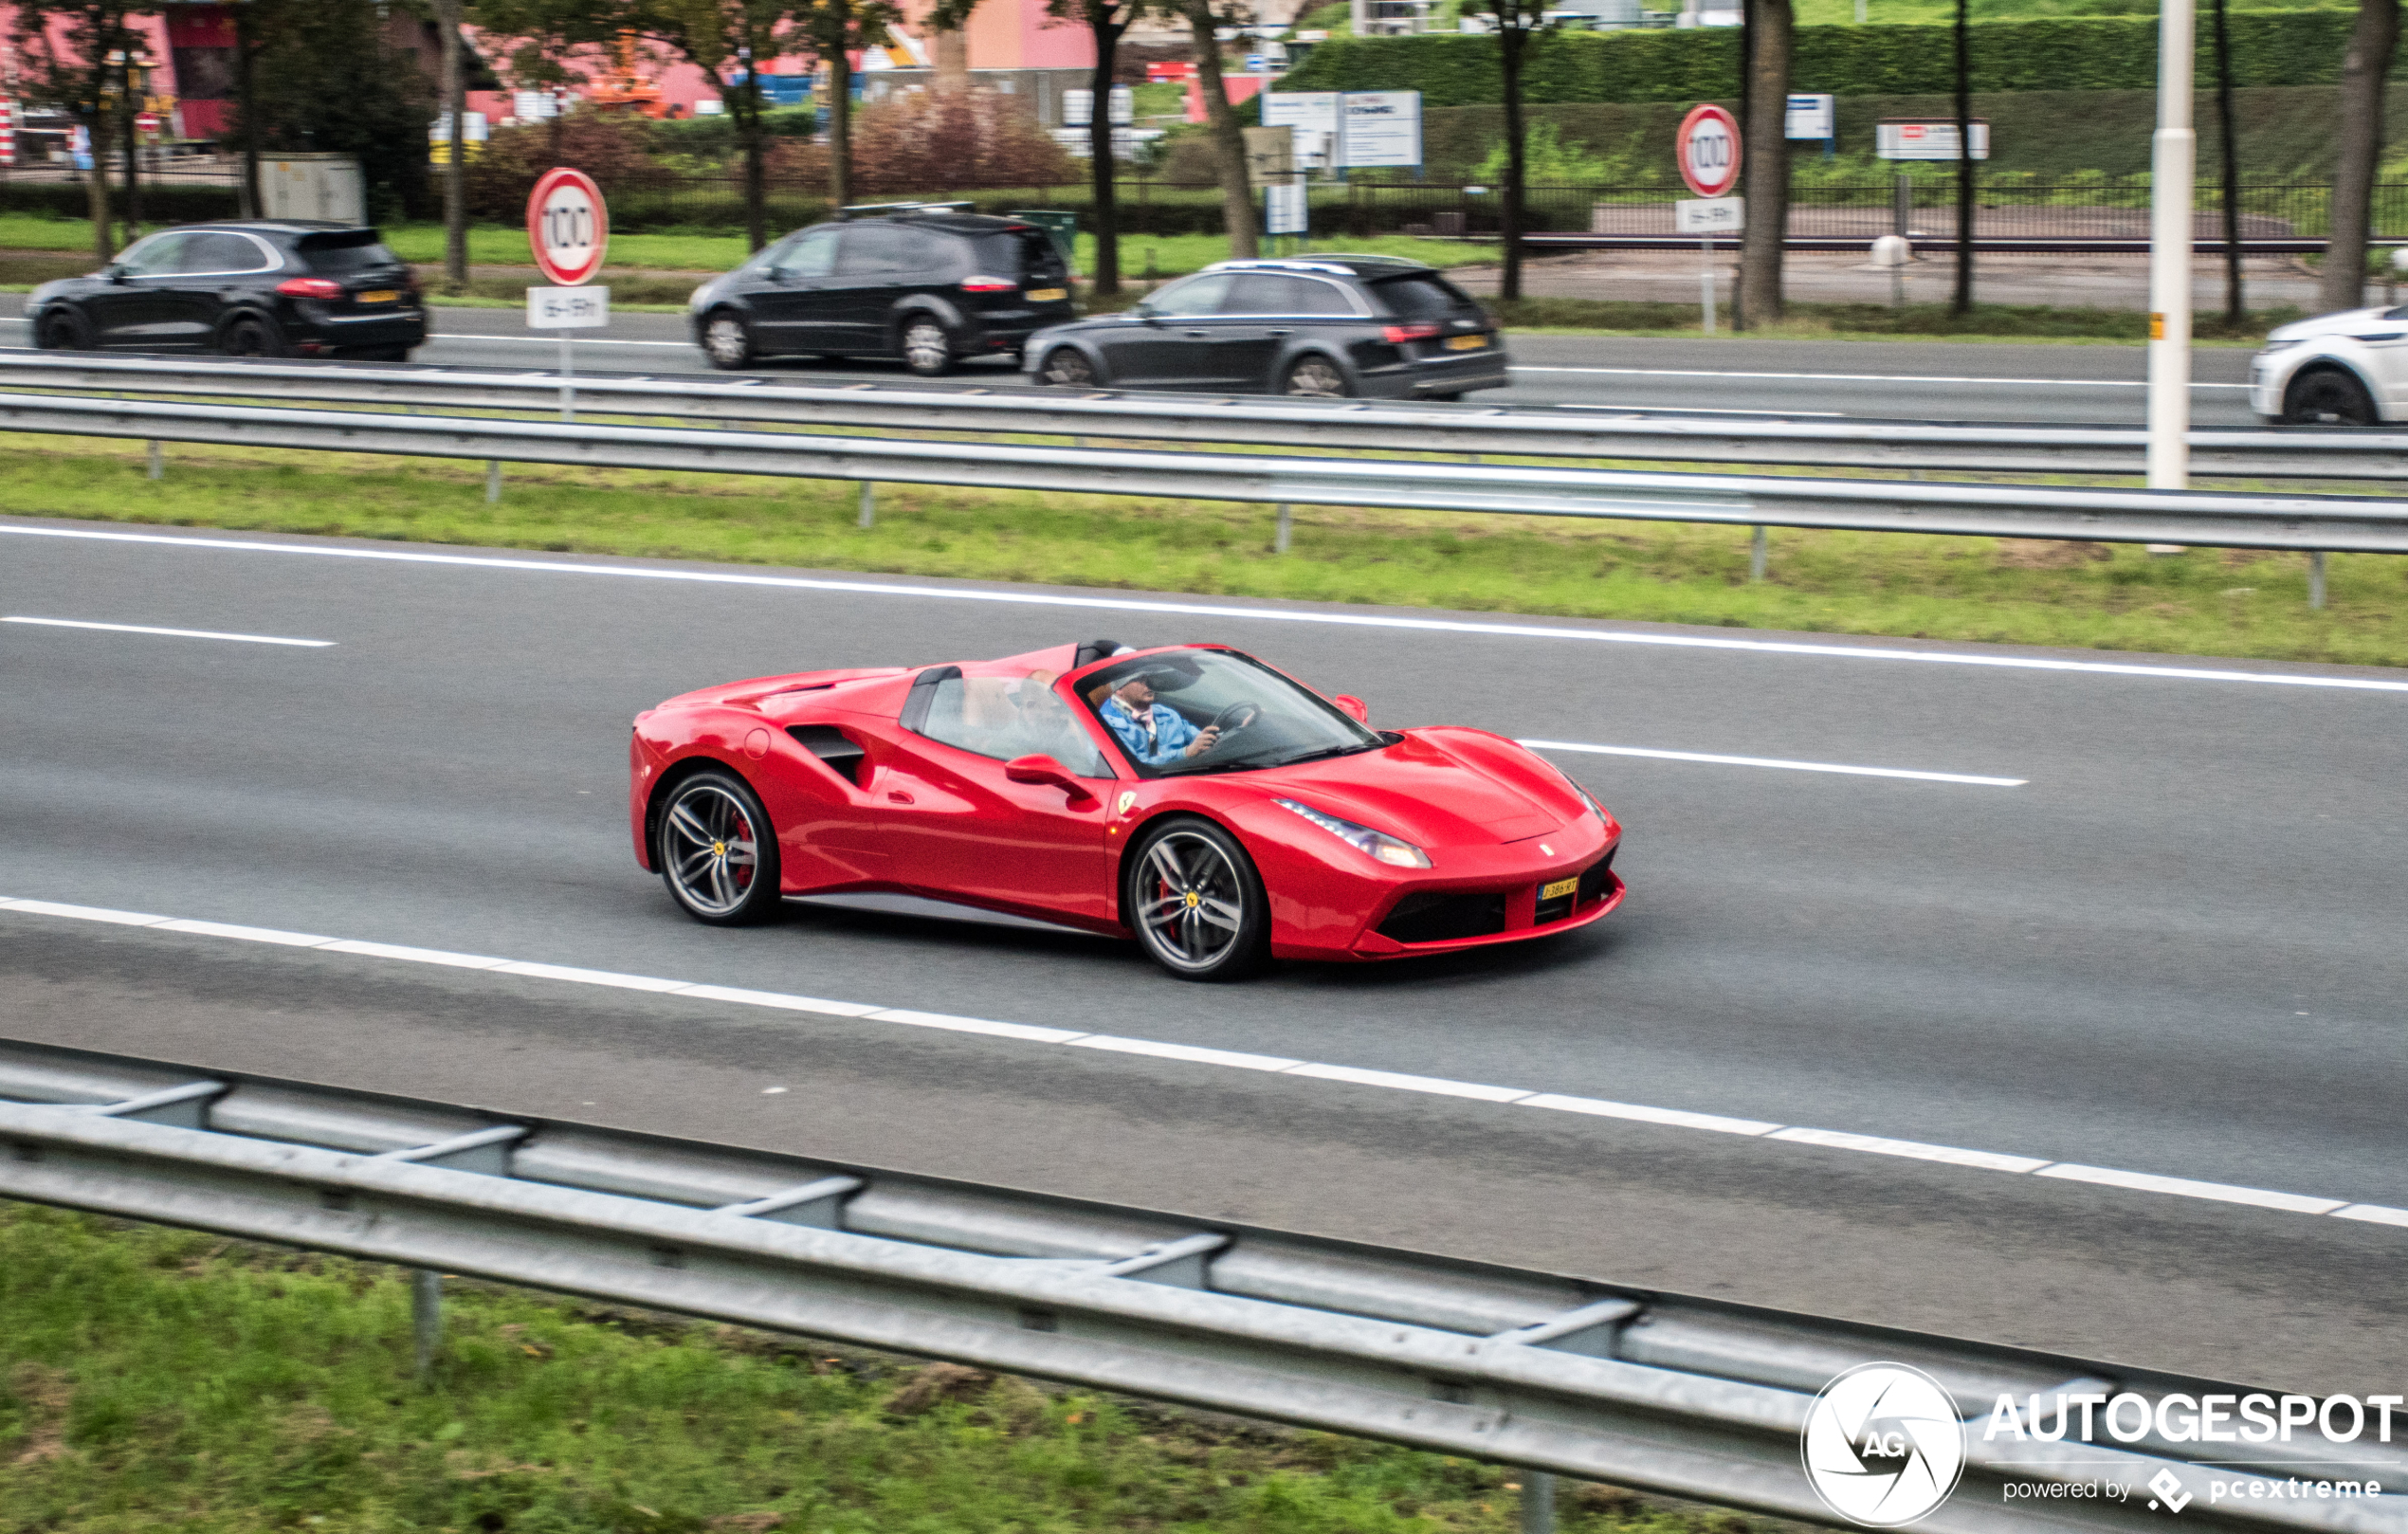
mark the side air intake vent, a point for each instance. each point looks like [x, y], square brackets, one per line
[832, 746]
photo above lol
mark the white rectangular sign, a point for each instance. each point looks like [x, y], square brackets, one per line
[1305, 111]
[1709, 215]
[1810, 117]
[1284, 210]
[1926, 141]
[567, 309]
[1380, 128]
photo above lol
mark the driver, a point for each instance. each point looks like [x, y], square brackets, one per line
[1153, 733]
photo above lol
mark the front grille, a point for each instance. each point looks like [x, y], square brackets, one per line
[1437, 917]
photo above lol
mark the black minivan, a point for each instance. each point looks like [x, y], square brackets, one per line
[922, 281]
[253, 287]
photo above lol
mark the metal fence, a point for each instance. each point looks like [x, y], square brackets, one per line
[1663, 1392]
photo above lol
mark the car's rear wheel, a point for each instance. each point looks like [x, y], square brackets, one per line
[1195, 902]
[250, 336]
[1316, 378]
[1067, 367]
[64, 330]
[727, 340]
[2328, 396]
[926, 348]
[716, 851]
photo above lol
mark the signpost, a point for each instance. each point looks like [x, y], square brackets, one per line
[1284, 210]
[569, 228]
[1348, 130]
[1707, 149]
[1812, 116]
[1898, 140]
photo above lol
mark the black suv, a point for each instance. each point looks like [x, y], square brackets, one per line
[916, 281]
[257, 287]
[1323, 326]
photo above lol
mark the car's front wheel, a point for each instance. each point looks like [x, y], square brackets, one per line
[1316, 378]
[63, 330]
[727, 340]
[926, 348]
[1195, 902]
[1067, 367]
[2328, 396]
[716, 851]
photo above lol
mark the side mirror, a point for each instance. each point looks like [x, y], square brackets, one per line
[113, 273]
[1145, 311]
[1353, 707]
[1039, 768]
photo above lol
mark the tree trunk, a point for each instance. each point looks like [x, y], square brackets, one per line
[95, 189]
[246, 102]
[953, 61]
[129, 98]
[1766, 165]
[1108, 231]
[748, 127]
[1511, 42]
[455, 170]
[1962, 302]
[2235, 310]
[2372, 42]
[1228, 138]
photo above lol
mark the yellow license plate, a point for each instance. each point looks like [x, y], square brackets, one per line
[1046, 295]
[1562, 886]
[382, 295]
[1466, 343]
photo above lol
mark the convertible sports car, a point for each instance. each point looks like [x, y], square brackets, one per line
[1192, 796]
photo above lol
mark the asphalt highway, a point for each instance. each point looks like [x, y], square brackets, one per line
[1910, 380]
[2172, 950]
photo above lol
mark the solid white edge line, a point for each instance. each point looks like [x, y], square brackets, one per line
[1860, 377]
[172, 634]
[1394, 1081]
[1772, 761]
[1210, 610]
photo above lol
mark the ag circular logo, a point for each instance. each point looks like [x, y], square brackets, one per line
[1883, 1445]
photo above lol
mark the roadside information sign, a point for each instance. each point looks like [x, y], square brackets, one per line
[1284, 210]
[568, 227]
[1903, 140]
[1709, 216]
[1810, 117]
[1380, 128]
[1708, 148]
[1313, 118]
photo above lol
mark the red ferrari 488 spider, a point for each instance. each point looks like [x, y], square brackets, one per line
[1192, 796]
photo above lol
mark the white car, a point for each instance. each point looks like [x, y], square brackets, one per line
[2345, 369]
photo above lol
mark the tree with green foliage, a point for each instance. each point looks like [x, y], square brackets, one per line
[74, 57]
[541, 43]
[1106, 22]
[329, 75]
[714, 35]
[1517, 23]
[836, 29]
[2372, 43]
[1205, 18]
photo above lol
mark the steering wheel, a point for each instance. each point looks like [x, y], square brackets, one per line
[1235, 718]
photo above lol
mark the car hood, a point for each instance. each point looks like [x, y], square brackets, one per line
[1434, 788]
[2329, 325]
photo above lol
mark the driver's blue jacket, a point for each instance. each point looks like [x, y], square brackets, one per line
[1172, 732]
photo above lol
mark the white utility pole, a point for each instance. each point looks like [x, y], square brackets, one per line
[2172, 160]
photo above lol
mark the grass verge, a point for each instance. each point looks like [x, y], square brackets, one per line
[2238, 603]
[1879, 321]
[154, 1379]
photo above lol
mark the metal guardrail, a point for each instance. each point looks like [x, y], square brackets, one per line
[2207, 518]
[1268, 421]
[1688, 1397]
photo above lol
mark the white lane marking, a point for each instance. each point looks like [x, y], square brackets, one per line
[1775, 761]
[1213, 610]
[171, 633]
[1273, 1065]
[1864, 377]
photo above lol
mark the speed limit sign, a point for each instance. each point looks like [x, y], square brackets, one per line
[1708, 147]
[567, 225]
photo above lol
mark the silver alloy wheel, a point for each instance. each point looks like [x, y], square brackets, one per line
[1067, 367]
[709, 849]
[1317, 378]
[927, 348]
[1190, 906]
[727, 341]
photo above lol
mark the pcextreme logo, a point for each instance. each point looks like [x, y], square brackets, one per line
[1884, 1444]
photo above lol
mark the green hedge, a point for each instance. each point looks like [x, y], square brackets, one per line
[163, 203]
[2269, 47]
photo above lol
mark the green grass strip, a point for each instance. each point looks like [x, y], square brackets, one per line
[153, 1378]
[2107, 596]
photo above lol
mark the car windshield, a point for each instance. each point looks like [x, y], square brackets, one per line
[1164, 709]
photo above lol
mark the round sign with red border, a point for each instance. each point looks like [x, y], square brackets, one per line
[1708, 148]
[568, 227]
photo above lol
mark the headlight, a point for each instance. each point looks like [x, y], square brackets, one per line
[1377, 844]
[2277, 346]
[701, 295]
[1586, 797]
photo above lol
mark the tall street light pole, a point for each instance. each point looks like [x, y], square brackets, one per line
[2173, 162]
